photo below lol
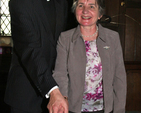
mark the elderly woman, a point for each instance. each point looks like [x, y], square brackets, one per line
[89, 66]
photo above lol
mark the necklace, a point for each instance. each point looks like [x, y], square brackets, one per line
[92, 34]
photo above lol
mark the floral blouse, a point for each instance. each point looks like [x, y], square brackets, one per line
[93, 92]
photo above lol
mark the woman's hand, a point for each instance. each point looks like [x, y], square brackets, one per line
[57, 103]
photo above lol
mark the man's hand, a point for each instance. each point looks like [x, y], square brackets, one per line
[57, 103]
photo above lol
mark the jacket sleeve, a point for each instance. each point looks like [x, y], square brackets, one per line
[61, 71]
[28, 45]
[119, 83]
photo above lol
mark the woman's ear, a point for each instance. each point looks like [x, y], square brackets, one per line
[100, 17]
[105, 19]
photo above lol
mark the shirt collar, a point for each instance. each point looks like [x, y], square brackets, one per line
[77, 33]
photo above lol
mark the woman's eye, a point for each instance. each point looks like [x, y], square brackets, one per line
[91, 6]
[79, 5]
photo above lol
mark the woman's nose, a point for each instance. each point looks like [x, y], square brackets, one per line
[85, 10]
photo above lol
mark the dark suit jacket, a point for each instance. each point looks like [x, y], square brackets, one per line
[71, 66]
[34, 52]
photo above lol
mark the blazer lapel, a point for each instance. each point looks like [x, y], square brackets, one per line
[43, 18]
[103, 49]
[104, 52]
[79, 54]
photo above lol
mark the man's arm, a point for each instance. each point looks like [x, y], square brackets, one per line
[28, 45]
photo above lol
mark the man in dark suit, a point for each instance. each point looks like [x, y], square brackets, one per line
[36, 26]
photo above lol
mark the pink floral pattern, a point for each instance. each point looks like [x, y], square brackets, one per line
[93, 93]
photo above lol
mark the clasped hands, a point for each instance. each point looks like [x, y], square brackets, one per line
[57, 103]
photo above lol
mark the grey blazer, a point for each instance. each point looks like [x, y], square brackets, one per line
[70, 69]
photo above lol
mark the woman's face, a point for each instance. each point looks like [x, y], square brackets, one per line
[87, 13]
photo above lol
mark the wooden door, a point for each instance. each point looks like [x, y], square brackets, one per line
[130, 29]
[126, 19]
[130, 33]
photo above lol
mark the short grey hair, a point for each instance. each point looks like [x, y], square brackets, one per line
[100, 3]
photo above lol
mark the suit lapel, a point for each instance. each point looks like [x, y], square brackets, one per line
[43, 18]
[104, 52]
[103, 49]
[78, 53]
[59, 17]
